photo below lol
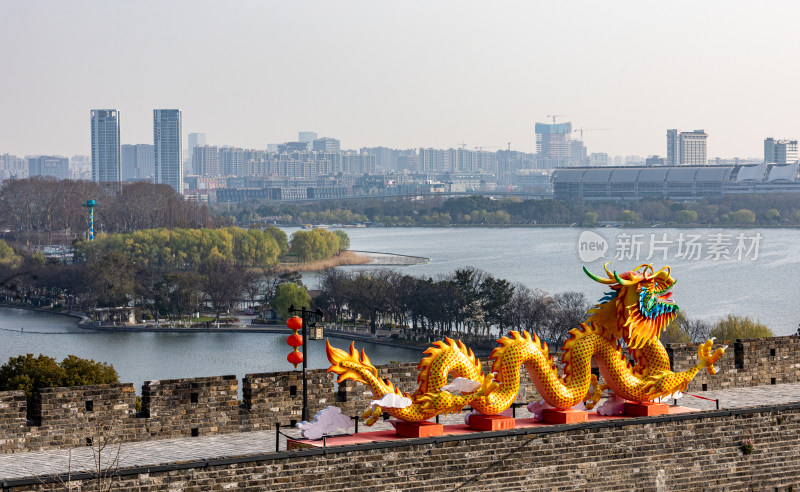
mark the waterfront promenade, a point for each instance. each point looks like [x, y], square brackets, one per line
[203, 448]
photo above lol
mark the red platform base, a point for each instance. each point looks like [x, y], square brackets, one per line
[564, 416]
[491, 422]
[294, 444]
[419, 429]
[645, 409]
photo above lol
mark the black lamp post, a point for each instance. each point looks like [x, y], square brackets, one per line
[304, 315]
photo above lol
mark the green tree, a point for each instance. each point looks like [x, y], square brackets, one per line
[29, 374]
[742, 216]
[80, 372]
[686, 217]
[316, 244]
[629, 216]
[8, 258]
[344, 240]
[772, 215]
[739, 327]
[290, 294]
[280, 238]
[589, 219]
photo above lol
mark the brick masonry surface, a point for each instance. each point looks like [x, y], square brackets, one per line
[745, 449]
[68, 417]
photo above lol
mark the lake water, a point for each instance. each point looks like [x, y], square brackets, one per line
[140, 357]
[761, 287]
[761, 284]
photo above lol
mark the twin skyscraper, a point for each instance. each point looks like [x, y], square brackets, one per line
[167, 143]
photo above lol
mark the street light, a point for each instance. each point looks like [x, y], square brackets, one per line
[304, 315]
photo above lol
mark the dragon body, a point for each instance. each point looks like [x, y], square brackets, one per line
[638, 307]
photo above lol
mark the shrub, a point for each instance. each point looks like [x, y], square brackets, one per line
[29, 374]
[736, 327]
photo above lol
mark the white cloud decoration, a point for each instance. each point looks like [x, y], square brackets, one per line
[462, 385]
[391, 400]
[537, 408]
[613, 406]
[325, 422]
[505, 413]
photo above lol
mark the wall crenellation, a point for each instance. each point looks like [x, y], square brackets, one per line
[67, 417]
[701, 451]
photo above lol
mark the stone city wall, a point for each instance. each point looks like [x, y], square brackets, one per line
[744, 449]
[68, 417]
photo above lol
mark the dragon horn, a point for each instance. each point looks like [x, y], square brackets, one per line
[594, 277]
[623, 282]
[668, 270]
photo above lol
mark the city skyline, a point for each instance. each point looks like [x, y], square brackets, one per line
[431, 75]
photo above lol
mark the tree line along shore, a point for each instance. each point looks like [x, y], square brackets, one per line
[173, 258]
[174, 273]
[42, 210]
[771, 210]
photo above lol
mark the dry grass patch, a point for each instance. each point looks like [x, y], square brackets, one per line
[343, 258]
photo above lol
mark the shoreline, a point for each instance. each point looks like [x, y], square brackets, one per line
[579, 226]
[355, 258]
[82, 318]
[84, 323]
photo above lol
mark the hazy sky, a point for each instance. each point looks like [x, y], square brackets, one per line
[402, 74]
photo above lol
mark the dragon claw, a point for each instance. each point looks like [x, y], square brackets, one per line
[488, 386]
[372, 414]
[595, 393]
[707, 358]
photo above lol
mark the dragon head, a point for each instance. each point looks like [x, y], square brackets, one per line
[642, 303]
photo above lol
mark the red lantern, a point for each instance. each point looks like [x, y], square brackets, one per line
[295, 340]
[295, 323]
[295, 358]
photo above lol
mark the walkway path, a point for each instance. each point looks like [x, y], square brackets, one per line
[41, 463]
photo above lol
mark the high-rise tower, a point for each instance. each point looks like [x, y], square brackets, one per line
[780, 151]
[105, 146]
[686, 148]
[167, 152]
[195, 140]
[554, 144]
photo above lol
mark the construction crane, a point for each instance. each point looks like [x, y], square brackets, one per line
[554, 116]
[463, 145]
[581, 130]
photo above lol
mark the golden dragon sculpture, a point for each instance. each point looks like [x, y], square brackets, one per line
[638, 307]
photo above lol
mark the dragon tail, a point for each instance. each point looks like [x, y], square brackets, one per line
[357, 368]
